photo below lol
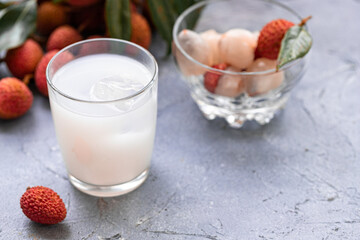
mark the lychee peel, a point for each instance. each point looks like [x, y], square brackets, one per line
[43, 205]
[49, 17]
[23, 60]
[140, 30]
[271, 35]
[40, 72]
[62, 37]
[15, 98]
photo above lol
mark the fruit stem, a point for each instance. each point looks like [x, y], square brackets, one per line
[27, 78]
[38, 38]
[303, 22]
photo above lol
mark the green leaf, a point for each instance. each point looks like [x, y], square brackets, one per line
[118, 19]
[17, 22]
[164, 16]
[3, 5]
[295, 44]
[181, 6]
[58, 1]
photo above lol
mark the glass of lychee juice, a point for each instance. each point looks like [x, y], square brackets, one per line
[103, 98]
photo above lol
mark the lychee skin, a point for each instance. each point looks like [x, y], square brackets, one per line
[49, 17]
[62, 37]
[15, 98]
[23, 60]
[271, 35]
[43, 205]
[140, 30]
[82, 3]
[40, 72]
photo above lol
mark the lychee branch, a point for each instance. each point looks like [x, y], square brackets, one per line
[27, 78]
[303, 21]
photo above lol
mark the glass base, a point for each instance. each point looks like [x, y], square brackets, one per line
[109, 191]
[237, 117]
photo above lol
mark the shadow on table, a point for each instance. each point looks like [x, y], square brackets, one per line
[57, 231]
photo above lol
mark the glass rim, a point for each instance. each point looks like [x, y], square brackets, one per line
[137, 93]
[194, 7]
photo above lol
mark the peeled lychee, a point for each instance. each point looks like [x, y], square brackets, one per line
[213, 40]
[196, 47]
[230, 85]
[140, 30]
[23, 60]
[43, 205]
[82, 3]
[62, 37]
[15, 98]
[262, 83]
[270, 38]
[237, 48]
[49, 17]
[40, 72]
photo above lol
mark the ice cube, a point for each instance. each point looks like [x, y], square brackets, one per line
[115, 87]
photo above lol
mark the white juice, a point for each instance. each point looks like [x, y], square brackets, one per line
[104, 143]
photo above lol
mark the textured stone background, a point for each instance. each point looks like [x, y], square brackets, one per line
[296, 178]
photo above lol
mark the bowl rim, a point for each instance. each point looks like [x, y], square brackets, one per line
[196, 6]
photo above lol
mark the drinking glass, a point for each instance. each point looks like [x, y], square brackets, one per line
[103, 98]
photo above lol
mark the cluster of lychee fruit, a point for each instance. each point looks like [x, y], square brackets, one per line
[58, 25]
[235, 51]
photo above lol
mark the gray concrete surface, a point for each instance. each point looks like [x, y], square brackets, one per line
[296, 178]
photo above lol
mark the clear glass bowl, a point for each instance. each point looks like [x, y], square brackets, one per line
[262, 96]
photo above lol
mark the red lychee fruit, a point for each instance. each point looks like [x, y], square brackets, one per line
[23, 60]
[133, 7]
[140, 30]
[211, 78]
[49, 17]
[40, 72]
[269, 41]
[15, 98]
[82, 3]
[62, 37]
[43, 205]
